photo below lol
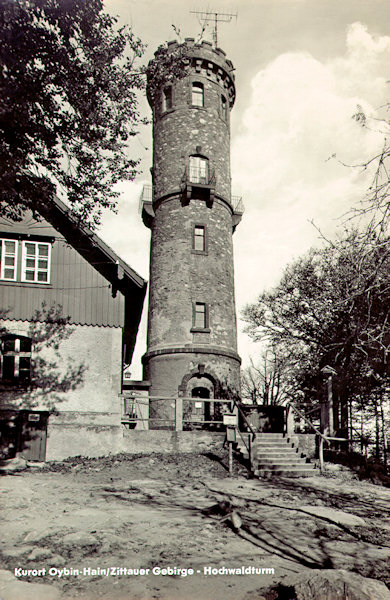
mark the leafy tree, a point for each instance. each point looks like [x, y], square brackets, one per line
[331, 307]
[68, 105]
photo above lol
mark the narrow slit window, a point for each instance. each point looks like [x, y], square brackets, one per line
[8, 259]
[199, 240]
[167, 98]
[197, 94]
[224, 107]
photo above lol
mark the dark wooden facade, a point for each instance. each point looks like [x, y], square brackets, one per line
[91, 283]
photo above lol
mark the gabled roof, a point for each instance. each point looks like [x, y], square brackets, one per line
[87, 243]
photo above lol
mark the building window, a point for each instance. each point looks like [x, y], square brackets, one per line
[223, 108]
[15, 359]
[36, 262]
[8, 256]
[167, 99]
[199, 238]
[200, 316]
[197, 94]
[199, 169]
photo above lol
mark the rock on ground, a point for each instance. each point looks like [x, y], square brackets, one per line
[11, 588]
[326, 584]
[337, 516]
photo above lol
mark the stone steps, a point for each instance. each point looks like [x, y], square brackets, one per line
[273, 454]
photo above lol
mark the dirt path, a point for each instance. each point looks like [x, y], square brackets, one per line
[161, 512]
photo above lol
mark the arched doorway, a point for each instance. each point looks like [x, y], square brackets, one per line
[202, 410]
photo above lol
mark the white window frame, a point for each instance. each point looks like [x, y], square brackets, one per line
[17, 355]
[36, 269]
[3, 257]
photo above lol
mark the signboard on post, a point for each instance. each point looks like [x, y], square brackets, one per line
[230, 420]
[231, 434]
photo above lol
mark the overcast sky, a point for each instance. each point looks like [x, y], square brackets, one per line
[302, 67]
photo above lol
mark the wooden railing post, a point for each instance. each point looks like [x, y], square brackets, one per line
[321, 454]
[179, 414]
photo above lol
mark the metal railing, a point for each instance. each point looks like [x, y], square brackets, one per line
[238, 205]
[146, 196]
[323, 437]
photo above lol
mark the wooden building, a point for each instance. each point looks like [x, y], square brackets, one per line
[70, 312]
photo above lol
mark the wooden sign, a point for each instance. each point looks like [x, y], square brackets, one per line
[230, 420]
[231, 434]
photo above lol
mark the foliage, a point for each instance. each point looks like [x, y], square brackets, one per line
[68, 105]
[168, 65]
[331, 308]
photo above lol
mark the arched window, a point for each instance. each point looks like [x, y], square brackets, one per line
[15, 366]
[199, 169]
[197, 94]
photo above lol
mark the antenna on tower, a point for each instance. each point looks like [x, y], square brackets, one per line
[216, 17]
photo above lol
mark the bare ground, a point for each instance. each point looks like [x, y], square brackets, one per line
[137, 511]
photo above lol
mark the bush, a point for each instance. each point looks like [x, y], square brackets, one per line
[371, 468]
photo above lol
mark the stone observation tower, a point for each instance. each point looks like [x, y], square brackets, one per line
[192, 334]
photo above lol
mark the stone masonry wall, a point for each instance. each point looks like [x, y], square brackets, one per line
[180, 277]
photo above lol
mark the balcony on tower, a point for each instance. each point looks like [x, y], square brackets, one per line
[146, 205]
[238, 210]
[198, 181]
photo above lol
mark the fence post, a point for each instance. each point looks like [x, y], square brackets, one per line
[179, 414]
[321, 452]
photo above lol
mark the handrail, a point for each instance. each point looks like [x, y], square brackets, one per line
[324, 438]
[318, 432]
[245, 419]
[250, 441]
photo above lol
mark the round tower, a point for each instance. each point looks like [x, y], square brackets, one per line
[192, 334]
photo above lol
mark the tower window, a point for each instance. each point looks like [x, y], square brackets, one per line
[199, 238]
[36, 262]
[15, 359]
[200, 316]
[8, 259]
[167, 102]
[199, 169]
[223, 107]
[197, 94]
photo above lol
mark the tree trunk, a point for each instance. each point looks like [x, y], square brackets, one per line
[384, 437]
[377, 429]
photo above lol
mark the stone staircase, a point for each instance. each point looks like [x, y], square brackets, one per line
[276, 454]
